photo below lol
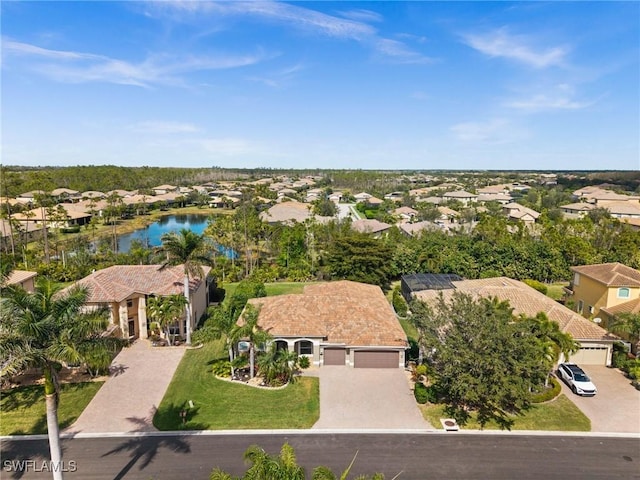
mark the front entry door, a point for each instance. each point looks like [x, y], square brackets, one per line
[132, 328]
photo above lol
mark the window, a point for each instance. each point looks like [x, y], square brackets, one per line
[576, 279]
[591, 309]
[129, 303]
[580, 306]
[305, 347]
[623, 292]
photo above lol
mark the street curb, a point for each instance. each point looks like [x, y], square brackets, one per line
[190, 433]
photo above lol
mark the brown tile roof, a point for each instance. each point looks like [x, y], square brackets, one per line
[524, 300]
[18, 276]
[610, 274]
[365, 225]
[632, 306]
[343, 312]
[116, 283]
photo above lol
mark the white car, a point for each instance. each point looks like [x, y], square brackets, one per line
[577, 380]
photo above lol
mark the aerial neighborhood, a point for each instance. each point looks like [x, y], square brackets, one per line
[459, 300]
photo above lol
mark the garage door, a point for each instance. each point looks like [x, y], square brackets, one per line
[590, 356]
[375, 359]
[334, 356]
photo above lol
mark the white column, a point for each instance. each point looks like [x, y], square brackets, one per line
[124, 318]
[142, 317]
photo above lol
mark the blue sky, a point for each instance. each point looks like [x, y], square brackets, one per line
[367, 85]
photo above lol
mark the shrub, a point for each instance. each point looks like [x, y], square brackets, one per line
[634, 372]
[304, 362]
[548, 394]
[539, 286]
[421, 393]
[221, 368]
[399, 304]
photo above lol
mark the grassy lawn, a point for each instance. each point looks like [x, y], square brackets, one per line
[275, 288]
[555, 290]
[22, 409]
[559, 414]
[409, 329]
[219, 404]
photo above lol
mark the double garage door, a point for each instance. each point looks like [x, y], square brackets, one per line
[593, 355]
[362, 358]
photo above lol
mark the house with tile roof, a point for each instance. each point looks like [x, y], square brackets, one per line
[596, 344]
[336, 323]
[604, 290]
[516, 212]
[124, 289]
[373, 227]
[24, 279]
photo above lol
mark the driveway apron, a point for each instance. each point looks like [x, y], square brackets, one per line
[616, 406]
[140, 375]
[366, 398]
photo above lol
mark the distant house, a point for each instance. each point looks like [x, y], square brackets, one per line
[515, 211]
[596, 344]
[362, 197]
[336, 323]
[24, 279]
[93, 195]
[287, 213]
[162, 189]
[604, 290]
[29, 197]
[374, 227]
[464, 197]
[576, 210]
[65, 195]
[124, 289]
[405, 214]
[502, 198]
[416, 228]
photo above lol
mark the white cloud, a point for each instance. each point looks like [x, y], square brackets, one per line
[495, 131]
[279, 78]
[560, 97]
[163, 128]
[305, 19]
[80, 67]
[500, 43]
[362, 15]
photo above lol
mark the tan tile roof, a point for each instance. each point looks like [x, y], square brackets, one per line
[287, 212]
[365, 225]
[610, 274]
[343, 312]
[18, 276]
[118, 282]
[632, 306]
[524, 300]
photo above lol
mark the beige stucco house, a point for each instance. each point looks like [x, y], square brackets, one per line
[124, 289]
[604, 290]
[24, 279]
[337, 323]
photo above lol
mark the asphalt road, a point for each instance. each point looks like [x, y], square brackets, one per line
[452, 455]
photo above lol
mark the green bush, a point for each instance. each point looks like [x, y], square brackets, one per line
[221, 368]
[548, 393]
[421, 393]
[421, 370]
[539, 286]
[304, 362]
[399, 304]
[634, 372]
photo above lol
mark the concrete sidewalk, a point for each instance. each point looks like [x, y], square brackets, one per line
[129, 398]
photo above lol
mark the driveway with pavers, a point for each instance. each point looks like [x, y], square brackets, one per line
[140, 375]
[366, 398]
[616, 406]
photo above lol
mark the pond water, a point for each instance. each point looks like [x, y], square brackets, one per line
[151, 234]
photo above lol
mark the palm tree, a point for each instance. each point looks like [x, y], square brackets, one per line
[166, 311]
[627, 323]
[221, 323]
[277, 365]
[267, 467]
[188, 249]
[43, 329]
[250, 330]
[554, 341]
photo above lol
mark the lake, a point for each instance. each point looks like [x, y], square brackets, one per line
[151, 234]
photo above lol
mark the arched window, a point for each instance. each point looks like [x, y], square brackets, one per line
[623, 292]
[305, 347]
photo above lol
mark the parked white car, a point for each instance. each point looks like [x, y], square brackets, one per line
[577, 380]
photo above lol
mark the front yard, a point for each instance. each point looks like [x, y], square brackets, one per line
[221, 405]
[22, 409]
[559, 414]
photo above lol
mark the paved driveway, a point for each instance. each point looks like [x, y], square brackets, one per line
[616, 406]
[129, 398]
[366, 398]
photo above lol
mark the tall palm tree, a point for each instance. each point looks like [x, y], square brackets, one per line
[267, 467]
[43, 329]
[188, 249]
[250, 331]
